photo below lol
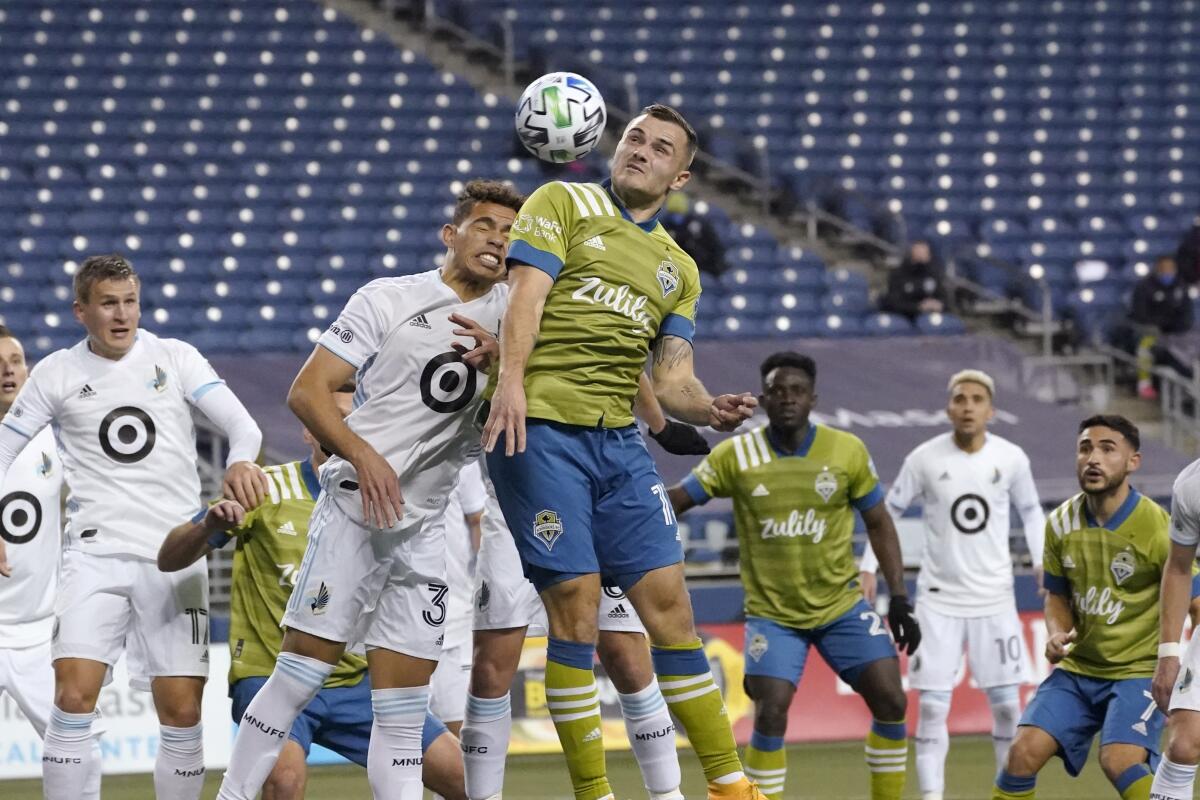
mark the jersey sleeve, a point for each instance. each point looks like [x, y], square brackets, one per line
[358, 331]
[539, 237]
[34, 407]
[1185, 522]
[1053, 578]
[472, 496]
[865, 491]
[681, 321]
[712, 477]
[1024, 496]
[906, 489]
[195, 373]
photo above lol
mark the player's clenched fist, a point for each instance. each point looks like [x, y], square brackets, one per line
[903, 623]
[1058, 645]
[224, 515]
[728, 411]
[246, 483]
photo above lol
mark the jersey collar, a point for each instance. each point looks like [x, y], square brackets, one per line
[310, 478]
[804, 447]
[649, 224]
[1118, 519]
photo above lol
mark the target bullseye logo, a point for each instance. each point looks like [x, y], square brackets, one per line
[447, 383]
[970, 513]
[127, 434]
[20, 517]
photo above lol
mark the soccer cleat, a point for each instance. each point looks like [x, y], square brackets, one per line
[744, 789]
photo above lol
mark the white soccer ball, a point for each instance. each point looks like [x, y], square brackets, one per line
[561, 117]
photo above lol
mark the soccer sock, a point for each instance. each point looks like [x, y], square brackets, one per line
[933, 742]
[486, 729]
[1006, 713]
[1173, 781]
[652, 735]
[887, 759]
[1013, 787]
[766, 763]
[264, 728]
[394, 757]
[574, 706]
[92, 787]
[1135, 782]
[179, 767]
[68, 753]
[695, 700]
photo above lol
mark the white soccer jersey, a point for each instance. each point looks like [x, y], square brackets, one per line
[1185, 506]
[417, 403]
[468, 497]
[966, 567]
[125, 433]
[31, 526]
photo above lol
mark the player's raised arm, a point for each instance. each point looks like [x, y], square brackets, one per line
[244, 480]
[677, 438]
[196, 538]
[684, 397]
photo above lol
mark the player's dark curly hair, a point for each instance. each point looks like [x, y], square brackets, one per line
[789, 358]
[101, 268]
[482, 191]
[1116, 422]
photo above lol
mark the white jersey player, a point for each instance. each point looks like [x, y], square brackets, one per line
[965, 482]
[374, 570]
[31, 528]
[449, 683]
[508, 608]
[120, 405]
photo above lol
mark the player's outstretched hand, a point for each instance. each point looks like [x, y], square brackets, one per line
[383, 505]
[1165, 675]
[224, 515]
[507, 416]
[5, 569]
[246, 483]
[870, 586]
[903, 623]
[728, 411]
[1058, 645]
[487, 347]
[681, 439]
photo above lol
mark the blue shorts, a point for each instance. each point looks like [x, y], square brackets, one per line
[338, 719]
[847, 644]
[1074, 708]
[585, 500]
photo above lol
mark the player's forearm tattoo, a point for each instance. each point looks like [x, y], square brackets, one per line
[670, 351]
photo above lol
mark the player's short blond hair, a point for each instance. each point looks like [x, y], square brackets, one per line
[973, 376]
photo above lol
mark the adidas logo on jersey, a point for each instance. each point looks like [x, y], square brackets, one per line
[87, 392]
[596, 243]
[1068, 562]
[287, 529]
[618, 612]
[420, 321]
[759, 491]
[593, 735]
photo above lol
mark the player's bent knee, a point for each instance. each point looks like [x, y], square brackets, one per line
[1027, 754]
[1184, 750]
[770, 718]
[286, 782]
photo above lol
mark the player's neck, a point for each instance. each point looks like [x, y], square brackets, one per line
[4, 407]
[463, 285]
[970, 443]
[789, 439]
[640, 208]
[1103, 506]
[100, 350]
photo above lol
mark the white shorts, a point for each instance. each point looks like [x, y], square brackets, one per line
[448, 687]
[505, 599]
[1186, 694]
[995, 647]
[384, 589]
[107, 604]
[28, 677]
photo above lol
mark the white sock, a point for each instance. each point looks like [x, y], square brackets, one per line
[68, 754]
[652, 734]
[394, 757]
[264, 727]
[486, 729]
[1006, 713]
[179, 767]
[933, 742]
[92, 787]
[1173, 781]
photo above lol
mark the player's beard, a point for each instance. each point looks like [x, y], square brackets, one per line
[1111, 482]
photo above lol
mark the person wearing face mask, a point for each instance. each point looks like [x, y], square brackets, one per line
[1160, 305]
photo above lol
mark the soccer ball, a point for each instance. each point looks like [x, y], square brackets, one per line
[560, 117]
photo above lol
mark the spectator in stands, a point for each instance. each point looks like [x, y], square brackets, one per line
[1161, 305]
[694, 233]
[915, 287]
[1187, 257]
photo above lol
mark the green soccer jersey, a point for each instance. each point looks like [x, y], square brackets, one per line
[270, 547]
[794, 518]
[1111, 575]
[617, 286]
